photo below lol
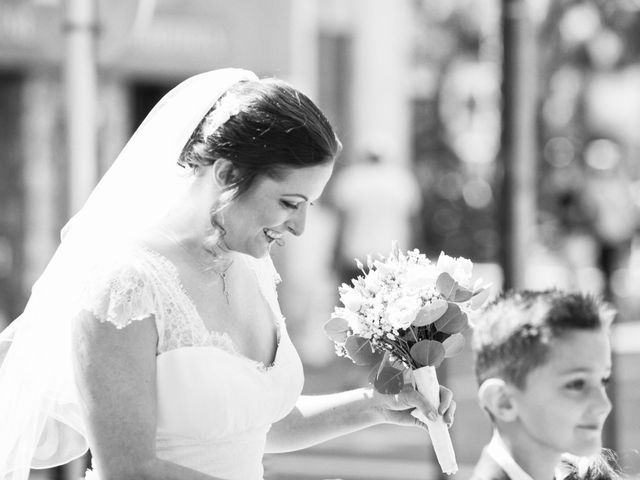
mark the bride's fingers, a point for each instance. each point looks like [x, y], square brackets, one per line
[448, 416]
[404, 417]
[446, 398]
[413, 398]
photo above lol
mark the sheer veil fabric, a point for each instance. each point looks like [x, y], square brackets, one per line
[41, 421]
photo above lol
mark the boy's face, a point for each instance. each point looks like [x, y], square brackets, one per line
[564, 403]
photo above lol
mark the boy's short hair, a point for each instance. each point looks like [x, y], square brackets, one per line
[511, 336]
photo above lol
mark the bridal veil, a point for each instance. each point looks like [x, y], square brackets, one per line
[41, 421]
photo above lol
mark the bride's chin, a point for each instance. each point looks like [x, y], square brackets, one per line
[258, 250]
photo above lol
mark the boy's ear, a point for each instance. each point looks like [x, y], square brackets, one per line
[224, 172]
[495, 397]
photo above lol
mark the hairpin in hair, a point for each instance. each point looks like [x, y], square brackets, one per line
[227, 107]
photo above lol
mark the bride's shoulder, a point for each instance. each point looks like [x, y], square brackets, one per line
[123, 285]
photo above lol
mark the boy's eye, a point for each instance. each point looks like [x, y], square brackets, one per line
[605, 381]
[577, 384]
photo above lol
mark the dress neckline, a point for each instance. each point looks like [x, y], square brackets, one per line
[234, 350]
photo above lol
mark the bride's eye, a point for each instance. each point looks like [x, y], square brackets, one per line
[292, 206]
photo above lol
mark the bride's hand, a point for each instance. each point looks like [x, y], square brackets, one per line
[397, 408]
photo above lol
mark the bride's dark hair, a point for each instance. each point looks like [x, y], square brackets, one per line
[264, 128]
[273, 127]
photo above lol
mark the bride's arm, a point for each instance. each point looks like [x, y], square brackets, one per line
[318, 418]
[115, 371]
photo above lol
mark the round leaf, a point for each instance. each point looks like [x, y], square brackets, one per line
[430, 313]
[410, 335]
[461, 294]
[428, 353]
[337, 329]
[360, 350]
[479, 298]
[445, 284]
[453, 345]
[453, 320]
[389, 380]
[452, 290]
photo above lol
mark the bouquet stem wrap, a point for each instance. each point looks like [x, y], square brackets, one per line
[427, 384]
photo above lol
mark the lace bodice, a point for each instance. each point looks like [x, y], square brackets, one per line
[139, 282]
[214, 405]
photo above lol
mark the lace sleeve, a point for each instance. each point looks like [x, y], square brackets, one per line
[121, 294]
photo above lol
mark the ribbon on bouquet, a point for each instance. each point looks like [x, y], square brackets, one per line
[427, 384]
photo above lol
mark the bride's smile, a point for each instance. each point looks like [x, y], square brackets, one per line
[271, 208]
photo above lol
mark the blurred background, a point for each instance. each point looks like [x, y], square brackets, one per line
[505, 131]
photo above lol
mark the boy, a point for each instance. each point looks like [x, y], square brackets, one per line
[542, 362]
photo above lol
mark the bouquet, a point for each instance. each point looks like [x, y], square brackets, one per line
[404, 315]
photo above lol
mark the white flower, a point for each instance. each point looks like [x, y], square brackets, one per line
[373, 282]
[419, 277]
[353, 320]
[459, 268]
[402, 312]
[383, 304]
[383, 269]
[352, 300]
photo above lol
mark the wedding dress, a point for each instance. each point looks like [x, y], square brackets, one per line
[215, 406]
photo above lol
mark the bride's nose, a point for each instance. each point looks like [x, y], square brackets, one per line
[297, 222]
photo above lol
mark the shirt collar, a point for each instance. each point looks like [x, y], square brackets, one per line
[500, 454]
[498, 450]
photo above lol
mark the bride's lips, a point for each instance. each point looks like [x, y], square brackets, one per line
[273, 236]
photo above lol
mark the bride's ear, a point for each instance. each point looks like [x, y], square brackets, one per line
[224, 173]
[495, 397]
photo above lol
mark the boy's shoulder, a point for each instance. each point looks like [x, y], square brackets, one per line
[488, 469]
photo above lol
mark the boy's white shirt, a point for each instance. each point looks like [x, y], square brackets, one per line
[498, 450]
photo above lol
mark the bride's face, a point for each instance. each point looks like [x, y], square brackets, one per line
[271, 209]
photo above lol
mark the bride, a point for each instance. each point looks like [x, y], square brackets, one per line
[154, 336]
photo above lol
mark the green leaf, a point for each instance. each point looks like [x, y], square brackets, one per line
[410, 335]
[428, 353]
[453, 320]
[461, 294]
[360, 350]
[446, 285]
[430, 313]
[453, 345]
[337, 329]
[479, 298]
[379, 366]
[452, 290]
[389, 380]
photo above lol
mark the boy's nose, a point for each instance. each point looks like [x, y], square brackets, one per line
[602, 404]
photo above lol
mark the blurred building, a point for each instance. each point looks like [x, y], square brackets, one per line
[420, 77]
[145, 47]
